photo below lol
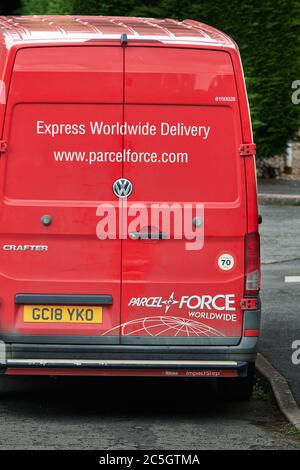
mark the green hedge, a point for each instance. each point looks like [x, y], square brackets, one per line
[268, 33]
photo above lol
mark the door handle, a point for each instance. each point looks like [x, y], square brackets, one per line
[148, 235]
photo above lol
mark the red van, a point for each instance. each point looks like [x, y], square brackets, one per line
[104, 121]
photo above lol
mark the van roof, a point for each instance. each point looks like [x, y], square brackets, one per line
[33, 29]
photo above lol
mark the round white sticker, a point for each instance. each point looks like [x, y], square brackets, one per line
[226, 262]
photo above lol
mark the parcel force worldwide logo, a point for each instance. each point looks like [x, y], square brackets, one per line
[219, 302]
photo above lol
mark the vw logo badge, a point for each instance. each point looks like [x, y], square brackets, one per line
[122, 188]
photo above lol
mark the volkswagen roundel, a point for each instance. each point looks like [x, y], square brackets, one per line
[122, 188]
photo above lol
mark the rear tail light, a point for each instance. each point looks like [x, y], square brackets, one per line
[252, 264]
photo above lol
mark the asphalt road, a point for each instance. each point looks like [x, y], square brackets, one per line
[280, 236]
[97, 413]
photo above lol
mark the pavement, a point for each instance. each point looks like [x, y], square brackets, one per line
[280, 239]
[279, 192]
[281, 390]
[274, 186]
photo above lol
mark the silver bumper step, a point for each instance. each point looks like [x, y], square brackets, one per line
[123, 364]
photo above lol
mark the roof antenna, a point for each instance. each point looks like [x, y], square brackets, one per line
[124, 39]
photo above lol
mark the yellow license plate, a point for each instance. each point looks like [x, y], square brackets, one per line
[62, 314]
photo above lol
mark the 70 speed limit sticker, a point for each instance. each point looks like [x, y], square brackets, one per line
[226, 262]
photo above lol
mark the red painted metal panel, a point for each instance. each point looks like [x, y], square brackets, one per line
[169, 291]
[62, 90]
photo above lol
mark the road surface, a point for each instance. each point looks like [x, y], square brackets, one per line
[280, 235]
[97, 413]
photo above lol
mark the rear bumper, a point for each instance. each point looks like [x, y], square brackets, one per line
[123, 364]
[173, 360]
[129, 367]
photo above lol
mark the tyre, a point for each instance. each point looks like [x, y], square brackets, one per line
[237, 389]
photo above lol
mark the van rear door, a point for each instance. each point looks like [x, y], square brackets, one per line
[171, 294]
[58, 279]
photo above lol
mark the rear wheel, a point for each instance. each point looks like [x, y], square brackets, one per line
[238, 389]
